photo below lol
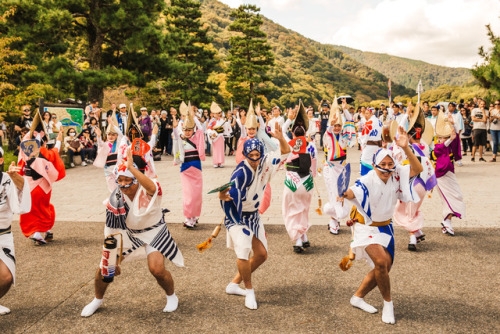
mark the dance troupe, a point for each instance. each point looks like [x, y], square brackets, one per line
[401, 161]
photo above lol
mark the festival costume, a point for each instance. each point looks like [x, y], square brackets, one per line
[107, 157]
[189, 152]
[378, 201]
[215, 135]
[12, 201]
[242, 216]
[335, 146]
[407, 214]
[456, 144]
[447, 185]
[297, 193]
[370, 136]
[41, 172]
[141, 225]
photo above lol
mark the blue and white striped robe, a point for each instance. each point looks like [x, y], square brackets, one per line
[247, 193]
[144, 224]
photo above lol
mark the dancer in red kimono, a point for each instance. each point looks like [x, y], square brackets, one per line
[42, 167]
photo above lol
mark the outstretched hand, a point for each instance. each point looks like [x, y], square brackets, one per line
[224, 195]
[278, 133]
[402, 138]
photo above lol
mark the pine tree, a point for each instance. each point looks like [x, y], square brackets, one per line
[192, 56]
[80, 47]
[250, 56]
[488, 73]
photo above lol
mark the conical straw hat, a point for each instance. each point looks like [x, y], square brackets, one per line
[251, 121]
[189, 122]
[335, 113]
[443, 127]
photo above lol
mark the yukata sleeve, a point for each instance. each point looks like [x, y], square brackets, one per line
[406, 192]
[19, 200]
[233, 208]
[177, 147]
[143, 203]
[262, 135]
[362, 198]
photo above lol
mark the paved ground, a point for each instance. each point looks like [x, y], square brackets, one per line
[78, 197]
[449, 286]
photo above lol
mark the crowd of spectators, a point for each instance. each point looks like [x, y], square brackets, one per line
[480, 132]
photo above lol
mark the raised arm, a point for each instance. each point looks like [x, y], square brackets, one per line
[415, 166]
[143, 180]
[278, 134]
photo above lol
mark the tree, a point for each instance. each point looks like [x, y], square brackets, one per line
[191, 53]
[80, 47]
[488, 73]
[250, 56]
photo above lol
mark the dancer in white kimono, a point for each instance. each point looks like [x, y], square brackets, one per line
[335, 145]
[375, 196]
[14, 199]
[134, 210]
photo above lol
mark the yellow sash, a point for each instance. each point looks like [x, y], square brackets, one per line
[356, 215]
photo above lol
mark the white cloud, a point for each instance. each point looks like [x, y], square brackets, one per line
[444, 32]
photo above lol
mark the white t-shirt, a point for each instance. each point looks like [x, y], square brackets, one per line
[478, 113]
[493, 126]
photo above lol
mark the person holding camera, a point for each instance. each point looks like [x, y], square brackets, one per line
[479, 117]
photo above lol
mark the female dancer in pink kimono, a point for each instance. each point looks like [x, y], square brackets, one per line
[189, 151]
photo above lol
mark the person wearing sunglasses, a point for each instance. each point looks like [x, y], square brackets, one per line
[25, 121]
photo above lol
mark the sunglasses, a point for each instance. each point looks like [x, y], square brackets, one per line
[26, 110]
[54, 117]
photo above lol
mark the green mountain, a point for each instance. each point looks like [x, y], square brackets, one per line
[408, 71]
[304, 68]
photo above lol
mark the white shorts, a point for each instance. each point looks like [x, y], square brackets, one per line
[7, 254]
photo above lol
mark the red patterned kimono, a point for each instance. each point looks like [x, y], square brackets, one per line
[41, 172]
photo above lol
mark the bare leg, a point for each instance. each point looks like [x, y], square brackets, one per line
[480, 152]
[6, 279]
[379, 276]
[249, 266]
[99, 286]
[157, 268]
[473, 152]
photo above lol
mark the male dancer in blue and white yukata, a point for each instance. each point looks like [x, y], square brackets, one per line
[245, 231]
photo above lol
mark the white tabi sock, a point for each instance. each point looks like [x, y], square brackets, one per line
[250, 301]
[37, 236]
[4, 310]
[362, 305]
[413, 239]
[304, 238]
[234, 289]
[388, 313]
[298, 242]
[91, 308]
[172, 303]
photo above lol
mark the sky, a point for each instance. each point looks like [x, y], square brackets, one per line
[442, 32]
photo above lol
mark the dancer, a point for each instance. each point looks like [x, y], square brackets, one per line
[41, 172]
[449, 190]
[245, 231]
[107, 154]
[14, 199]
[335, 145]
[254, 127]
[299, 182]
[215, 131]
[134, 210]
[407, 214]
[370, 140]
[455, 118]
[373, 239]
[189, 151]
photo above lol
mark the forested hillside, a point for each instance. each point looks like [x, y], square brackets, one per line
[304, 68]
[409, 71]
